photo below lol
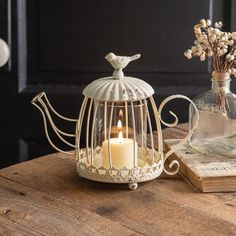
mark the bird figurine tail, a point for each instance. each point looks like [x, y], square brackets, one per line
[135, 57]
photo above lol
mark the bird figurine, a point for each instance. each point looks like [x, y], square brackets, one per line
[119, 63]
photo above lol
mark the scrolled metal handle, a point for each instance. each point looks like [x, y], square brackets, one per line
[184, 140]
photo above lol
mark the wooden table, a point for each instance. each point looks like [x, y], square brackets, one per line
[45, 196]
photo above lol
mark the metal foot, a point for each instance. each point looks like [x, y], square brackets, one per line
[133, 186]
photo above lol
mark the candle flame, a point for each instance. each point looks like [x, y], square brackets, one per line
[119, 128]
[119, 125]
[120, 137]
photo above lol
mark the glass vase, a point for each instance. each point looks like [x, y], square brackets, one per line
[216, 133]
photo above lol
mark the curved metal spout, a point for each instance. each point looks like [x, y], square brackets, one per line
[41, 102]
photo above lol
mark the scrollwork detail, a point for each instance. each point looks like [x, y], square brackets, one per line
[173, 124]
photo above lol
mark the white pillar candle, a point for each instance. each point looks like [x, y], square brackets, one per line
[123, 152]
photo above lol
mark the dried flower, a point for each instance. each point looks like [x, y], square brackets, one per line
[233, 71]
[203, 57]
[227, 56]
[203, 23]
[231, 58]
[233, 35]
[208, 22]
[215, 44]
[218, 24]
[231, 42]
[224, 50]
[188, 54]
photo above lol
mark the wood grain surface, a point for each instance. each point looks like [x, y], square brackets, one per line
[45, 196]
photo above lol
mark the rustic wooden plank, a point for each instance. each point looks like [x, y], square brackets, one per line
[158, 207]
[165, 206]
[9, 227]
[38, 213]
[218, 205]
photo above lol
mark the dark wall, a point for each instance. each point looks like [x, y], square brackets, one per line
[58, 46]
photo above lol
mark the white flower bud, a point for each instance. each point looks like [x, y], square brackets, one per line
[218, 24]
[231, 42]
[188, 54]
[193, 48]
[208, 22]
[203, 57]
[231, 58]
[225, 36]
[233, 35]
[224, 50]
[203, 23]
[233, 70]
[199, 51]
[227, 56]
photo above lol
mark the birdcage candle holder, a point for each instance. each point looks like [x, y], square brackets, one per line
[118, 116]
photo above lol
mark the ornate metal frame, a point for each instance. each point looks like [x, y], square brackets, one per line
[85, 157]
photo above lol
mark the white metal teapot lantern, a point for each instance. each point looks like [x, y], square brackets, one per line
[117, 119]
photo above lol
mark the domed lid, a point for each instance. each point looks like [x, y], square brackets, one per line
[118, 87]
